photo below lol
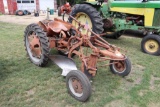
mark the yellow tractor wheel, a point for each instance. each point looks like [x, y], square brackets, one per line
[151, 44]
[88, 16]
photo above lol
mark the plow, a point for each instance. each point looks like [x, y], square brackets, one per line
[70, 41]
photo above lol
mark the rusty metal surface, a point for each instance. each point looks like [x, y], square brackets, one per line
[65, 37]
[77, 85]
[34, 45]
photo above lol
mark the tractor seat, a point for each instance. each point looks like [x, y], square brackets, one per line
[59, 25]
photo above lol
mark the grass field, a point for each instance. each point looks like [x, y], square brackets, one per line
[23, 84]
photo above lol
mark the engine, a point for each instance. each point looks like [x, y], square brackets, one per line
[138, 20]
[135, 19]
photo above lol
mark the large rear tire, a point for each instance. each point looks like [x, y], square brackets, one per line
[37, 45]
[78, 85]
[87, 14]
[150, 44]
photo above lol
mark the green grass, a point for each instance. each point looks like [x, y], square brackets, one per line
[23, 84]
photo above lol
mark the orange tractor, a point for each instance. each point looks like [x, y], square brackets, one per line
[70, 41]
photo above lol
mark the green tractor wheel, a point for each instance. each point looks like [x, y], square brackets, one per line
[87, 14]
[151, 44]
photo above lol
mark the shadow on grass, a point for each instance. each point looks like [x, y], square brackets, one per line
[6, 68]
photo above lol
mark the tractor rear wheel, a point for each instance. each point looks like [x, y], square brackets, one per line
[37, 45]
[150, 44]
[78, 85]
[87, 14]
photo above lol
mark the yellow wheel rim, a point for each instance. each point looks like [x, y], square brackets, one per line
[84, 19]
[151, 46]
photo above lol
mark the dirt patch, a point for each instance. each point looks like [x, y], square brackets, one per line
[30, 92]
[142, 92]
[26, 19]
[134, 78]
[154, 105]
[118, 103]
[153, 82]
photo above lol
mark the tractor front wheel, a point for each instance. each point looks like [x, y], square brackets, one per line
[150, 44]
[78, 85]
[37, 45]
[122, 68]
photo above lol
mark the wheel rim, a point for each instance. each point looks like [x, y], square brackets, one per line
[33, 46]
[75, 86]
[119, 66]
[151, 46]
[84, 19]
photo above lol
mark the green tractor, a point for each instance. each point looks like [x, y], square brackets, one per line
[116, 17]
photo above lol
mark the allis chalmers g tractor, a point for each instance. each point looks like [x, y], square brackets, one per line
[115, 17]
[69, 41]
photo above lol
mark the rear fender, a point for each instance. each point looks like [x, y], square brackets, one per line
[44, 24]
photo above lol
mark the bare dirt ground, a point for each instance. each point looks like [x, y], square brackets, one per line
[26, 19]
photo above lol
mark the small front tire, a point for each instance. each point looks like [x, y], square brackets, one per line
[78, 85]
[122, 68]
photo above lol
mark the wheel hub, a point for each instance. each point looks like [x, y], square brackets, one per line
[84, 19]
[34, 45]
[77, 86]
[120, 66]
[152, 46]
[108, 23]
